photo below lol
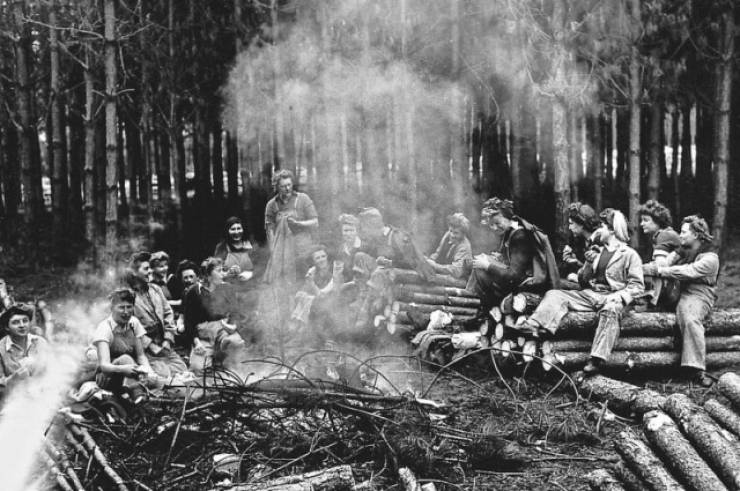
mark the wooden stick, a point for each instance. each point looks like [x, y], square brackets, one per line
[94, 449]
[65, 465]
[339, 477]
[58, 476]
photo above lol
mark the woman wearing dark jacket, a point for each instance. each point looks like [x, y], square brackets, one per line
[235, 252]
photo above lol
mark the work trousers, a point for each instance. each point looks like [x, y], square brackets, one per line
[557, 303]
[691, 312]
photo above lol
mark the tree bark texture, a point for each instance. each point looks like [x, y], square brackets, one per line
[603, 480]
[89, 168]
[641, 460]
[723, 415]
[678, 453]
[655, 151]
[625, 361]
[111, 133]
[629, 479]
[59, 194]
[622, 397]
[634, 127]
[721, 150]
[717, 446]
[729, 386]
[639, 343]
[578, 324]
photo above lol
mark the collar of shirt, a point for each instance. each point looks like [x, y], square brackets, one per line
[10, 345]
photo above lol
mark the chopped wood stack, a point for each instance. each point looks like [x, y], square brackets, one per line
[647, 339]
[684, 446]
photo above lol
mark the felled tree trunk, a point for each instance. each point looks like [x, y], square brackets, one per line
[723, 415]
[645, 464]
[422, 318]
[407, 289]
[623, 398]
[717, 447]
[729, 386]
[428, 298]
[410, 276]
[667, 343]
[630, 480]
[603, 480]
[678, 453]
[333, 479]
[721, 322]
[424, 307]
[628, 361]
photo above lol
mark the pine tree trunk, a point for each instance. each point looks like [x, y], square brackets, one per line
[634, 130]
[232, 170]
[642, 461]
[721, 151]
[597, 159]
[89, 167]
[59, 194]
[76, 155]
[12, 183]
[217, 158]
[576, 165]
[123, 209]
[675, 162]
[111, 126]
[100, 184]
[30, 163]
[686, 189]
[561, 176]
[164, 182]
[656, 149]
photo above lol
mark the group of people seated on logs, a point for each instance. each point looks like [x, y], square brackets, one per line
[164, 325]
[602, 273]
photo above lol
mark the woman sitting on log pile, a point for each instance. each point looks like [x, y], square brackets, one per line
[610, 281]
[696, 267]
[582, 222]
[523, 262]
[453, 251]
[655, 221]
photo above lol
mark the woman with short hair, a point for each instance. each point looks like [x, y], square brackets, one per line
[454, 250]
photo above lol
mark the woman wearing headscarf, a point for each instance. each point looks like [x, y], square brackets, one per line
[610, 282]
[696, 267]
[234, 250]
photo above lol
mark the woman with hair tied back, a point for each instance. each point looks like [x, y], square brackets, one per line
[454, 251]
[610, 282]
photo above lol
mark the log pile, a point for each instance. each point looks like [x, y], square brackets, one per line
[683, 446]
[647, 340]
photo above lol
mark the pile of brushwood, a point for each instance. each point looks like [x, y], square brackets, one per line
[368, 424]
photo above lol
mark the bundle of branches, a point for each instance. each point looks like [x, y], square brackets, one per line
[284, 429]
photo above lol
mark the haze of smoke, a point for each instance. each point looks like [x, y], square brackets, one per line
[31, 406]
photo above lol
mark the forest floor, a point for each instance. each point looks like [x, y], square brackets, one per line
[560, 440]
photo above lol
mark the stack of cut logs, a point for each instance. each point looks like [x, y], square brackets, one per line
[414, 299]
[647, 339]
[684, 446]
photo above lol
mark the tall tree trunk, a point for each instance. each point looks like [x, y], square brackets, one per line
[574, 147]
[124, 211]
[675, 163]
[279, 124]
[232, 170]
[217, 157]
[76, 153]
[596, 159]
[164, 182]
[3, 180]
[30, 164]
[59, 194]
[12, 181]
[656, 149]
[111, 133]
[723, 97]
[89, 167]
[561, 174]
[635, 129]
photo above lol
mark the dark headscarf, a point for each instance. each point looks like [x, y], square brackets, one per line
[15, 309]
[229, 223]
